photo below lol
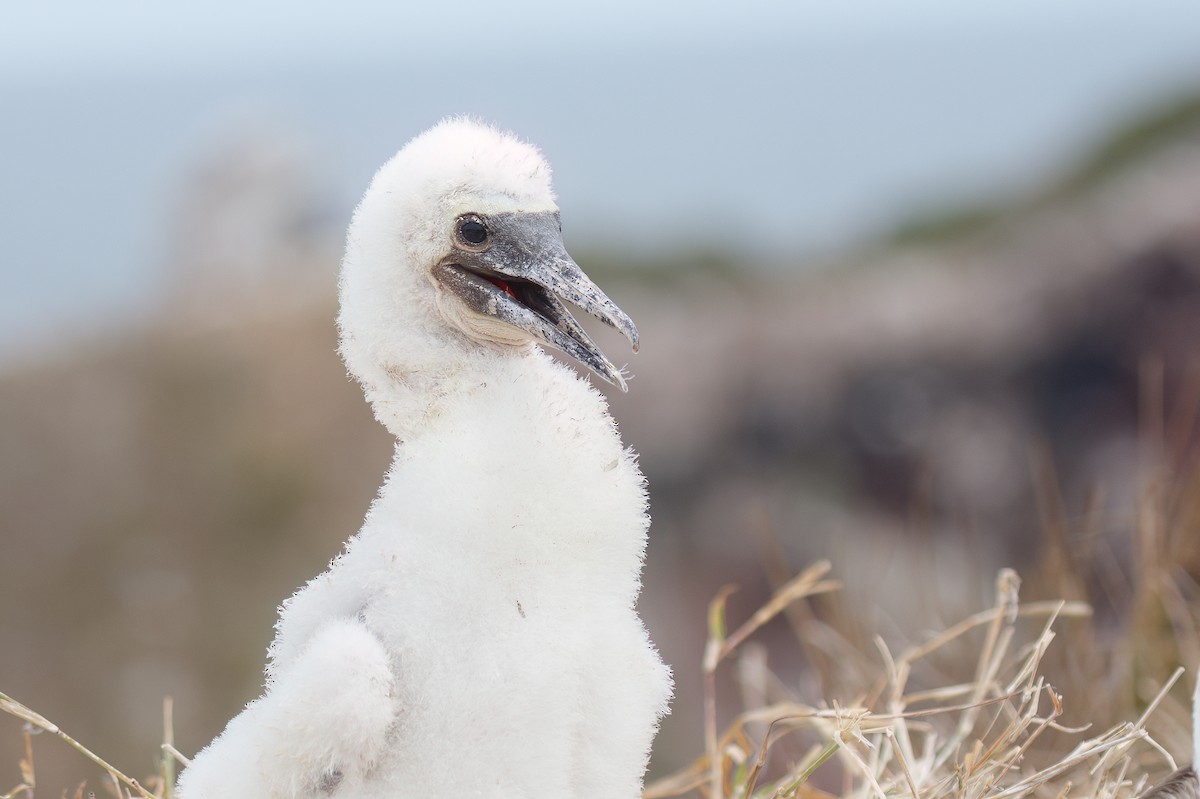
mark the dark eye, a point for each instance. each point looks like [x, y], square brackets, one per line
[472, 231]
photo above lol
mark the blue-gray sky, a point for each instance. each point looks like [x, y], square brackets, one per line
[765, 128]
[78, 34]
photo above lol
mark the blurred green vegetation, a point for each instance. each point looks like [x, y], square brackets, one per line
[944, 226]
[697, 263]
[1129, 145]
[1124, 148]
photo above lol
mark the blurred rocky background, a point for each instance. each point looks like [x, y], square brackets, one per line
[912, 398]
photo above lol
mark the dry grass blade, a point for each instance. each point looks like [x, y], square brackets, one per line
[15, 708]
[28, 781]
[169, 755]
[719, 646]
[807, 583]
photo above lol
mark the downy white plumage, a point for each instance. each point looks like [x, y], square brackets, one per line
[478, 636]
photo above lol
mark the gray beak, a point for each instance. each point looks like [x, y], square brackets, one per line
[522, 275]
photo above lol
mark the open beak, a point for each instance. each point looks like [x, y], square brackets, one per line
[523, 279]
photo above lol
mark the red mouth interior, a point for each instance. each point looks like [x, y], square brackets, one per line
[500, 284]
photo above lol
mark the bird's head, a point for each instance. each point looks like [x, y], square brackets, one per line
[460, 230]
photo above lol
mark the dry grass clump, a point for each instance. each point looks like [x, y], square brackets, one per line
[116, 784]
[977, 738]
[1043, 698]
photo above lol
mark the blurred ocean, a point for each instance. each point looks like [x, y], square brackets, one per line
[769, 145]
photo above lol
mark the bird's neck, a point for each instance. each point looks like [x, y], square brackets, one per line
[510, 464]
[413, 392]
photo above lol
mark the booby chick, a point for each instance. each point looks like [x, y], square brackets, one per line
[478, 636]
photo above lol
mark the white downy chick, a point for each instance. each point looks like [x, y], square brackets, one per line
[478, 636]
